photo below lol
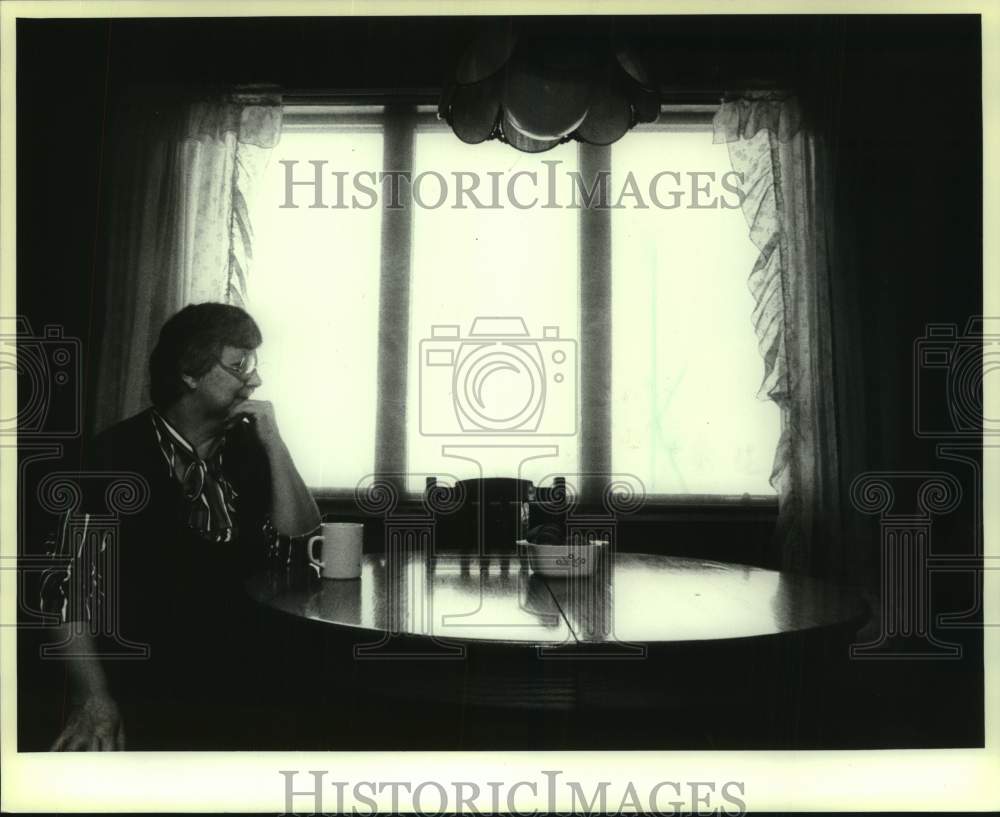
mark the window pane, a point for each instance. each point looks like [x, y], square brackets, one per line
[492, 263]
[686, 368]
[314, 288]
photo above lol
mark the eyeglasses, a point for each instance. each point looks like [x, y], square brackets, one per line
[244, 370]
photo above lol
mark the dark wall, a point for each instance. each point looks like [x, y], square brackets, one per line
[62, 95]
[910, 185]
[907, 133]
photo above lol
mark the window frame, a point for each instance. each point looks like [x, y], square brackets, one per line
[400, 120]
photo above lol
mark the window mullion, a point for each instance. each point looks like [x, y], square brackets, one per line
[595, 324]
[394, 294]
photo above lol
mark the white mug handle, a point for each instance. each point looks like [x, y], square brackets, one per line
[310, 552]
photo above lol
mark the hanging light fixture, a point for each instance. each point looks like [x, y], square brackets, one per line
[536, 83]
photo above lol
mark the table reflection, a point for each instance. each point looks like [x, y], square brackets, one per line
[448, 597]
[644, 598]
[629, 599]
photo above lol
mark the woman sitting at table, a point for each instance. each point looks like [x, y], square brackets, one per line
[222, 490]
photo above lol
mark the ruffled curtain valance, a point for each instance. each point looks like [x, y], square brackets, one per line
[743, 118]
[254, 122]
[253, 119]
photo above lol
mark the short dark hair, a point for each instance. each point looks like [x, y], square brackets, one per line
[190, 343]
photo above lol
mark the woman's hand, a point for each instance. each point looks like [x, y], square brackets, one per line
[293, 509]
[261, 414]
[93, 726]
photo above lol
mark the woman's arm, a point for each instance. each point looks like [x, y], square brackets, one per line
[94, 723]
[293, 509]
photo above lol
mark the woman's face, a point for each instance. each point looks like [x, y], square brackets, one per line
[229, 383]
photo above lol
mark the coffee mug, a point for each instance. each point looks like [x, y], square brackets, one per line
[340, 554]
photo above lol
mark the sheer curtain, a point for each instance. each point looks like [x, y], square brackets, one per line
[179, 227]
[787, 207]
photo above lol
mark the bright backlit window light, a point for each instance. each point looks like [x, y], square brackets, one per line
[685, 417]
[686, 368]
[501, 276]
[314, 290]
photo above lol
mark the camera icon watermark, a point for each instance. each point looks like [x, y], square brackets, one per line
[47, 371]
[948, 373]
[498, 380]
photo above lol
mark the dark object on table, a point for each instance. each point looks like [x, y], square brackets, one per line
[548, 533]
[490, 515]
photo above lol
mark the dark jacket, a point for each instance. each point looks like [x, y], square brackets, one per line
[157, 585]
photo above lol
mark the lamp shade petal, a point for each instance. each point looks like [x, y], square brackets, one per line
[444, 103]
[488, 53]
[546, 94]
[645, 102]
[524, 142]
[629, 60]
[475, 110]
[608, 118]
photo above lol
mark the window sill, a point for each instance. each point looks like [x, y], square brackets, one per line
[735, 529]
[656, 506]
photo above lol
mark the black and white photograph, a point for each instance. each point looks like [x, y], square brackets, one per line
[497, 380]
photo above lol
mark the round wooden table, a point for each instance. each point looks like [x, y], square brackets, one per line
[645, 641]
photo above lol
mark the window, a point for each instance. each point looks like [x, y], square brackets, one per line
[474, 287]
[469, 264]
[686, 367]
[314, 293]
